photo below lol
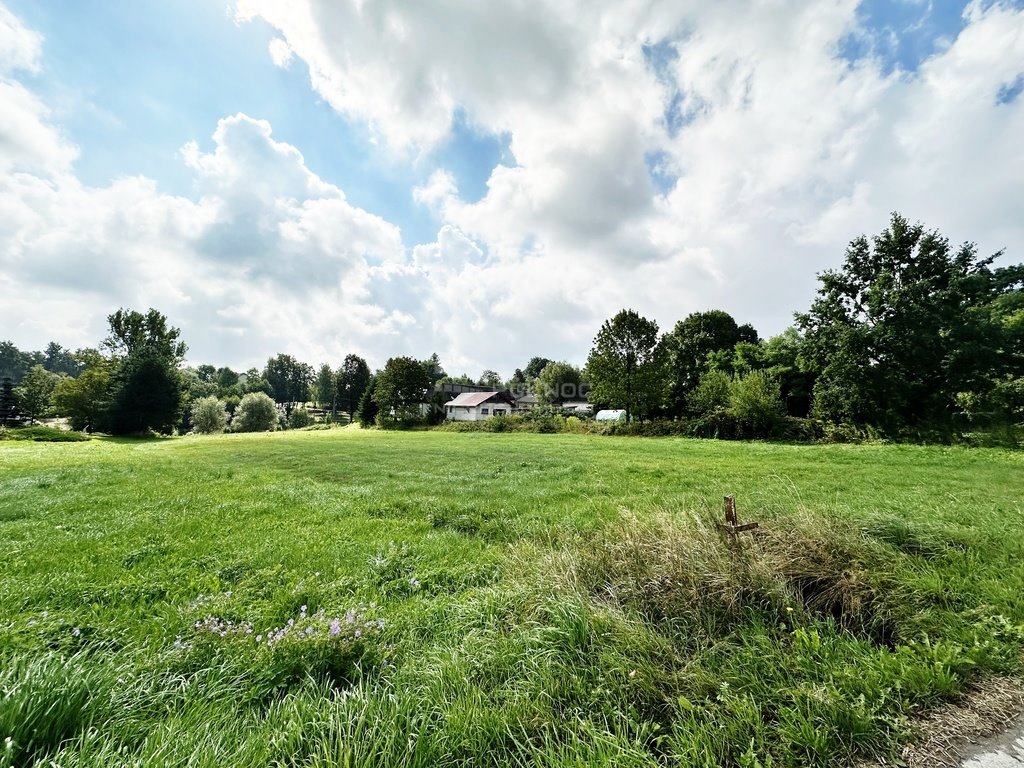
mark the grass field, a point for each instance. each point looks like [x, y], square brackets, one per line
[491, 599]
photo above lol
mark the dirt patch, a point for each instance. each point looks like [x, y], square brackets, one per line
[950, 733]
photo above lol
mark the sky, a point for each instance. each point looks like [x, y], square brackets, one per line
[488, 181]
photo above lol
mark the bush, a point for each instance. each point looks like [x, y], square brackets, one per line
[231, 403]
[42, 435]
[209, 415]
[711, 394]
[299, 418]
[755, 402]
[255, 413]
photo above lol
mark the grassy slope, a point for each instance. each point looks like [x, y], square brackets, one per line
[125, 545]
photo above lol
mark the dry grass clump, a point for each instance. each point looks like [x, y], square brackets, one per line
[683, 571]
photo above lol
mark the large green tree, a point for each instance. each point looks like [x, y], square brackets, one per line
[558, 383]
[698, 343]
[535, 366]
[147, 390]
[325, 391]
[289, 379]
[36, 392]
[400, 389]
[626, 366]
[353, 380]
[85, 400]
[145, 394]
[132, 332]
[13, 362]
[905, 326]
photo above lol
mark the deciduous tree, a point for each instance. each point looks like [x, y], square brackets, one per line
[36, 392]
[353, 380]
[255, 413]
[558, 383]
[904, 327]
[626, 366]
[401, 388]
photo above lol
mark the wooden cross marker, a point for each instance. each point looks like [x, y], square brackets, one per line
[732, 524]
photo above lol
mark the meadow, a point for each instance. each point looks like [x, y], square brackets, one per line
[367, 598]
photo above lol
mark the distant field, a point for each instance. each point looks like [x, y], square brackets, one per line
[494, 599]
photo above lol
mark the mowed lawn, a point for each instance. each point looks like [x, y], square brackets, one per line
[494, 599]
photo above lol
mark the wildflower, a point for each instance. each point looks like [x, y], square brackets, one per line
[309, 631]
[259, 638]
[358, 633]
[414, 583]
[335, 629]
[76, 632]
[291, 622]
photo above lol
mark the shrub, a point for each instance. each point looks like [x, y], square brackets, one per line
[209, 416]
[299, 418]
[711, 394]
[755, 401]
[255, 413]
[42, 434]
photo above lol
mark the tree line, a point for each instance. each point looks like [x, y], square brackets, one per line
[909, 334]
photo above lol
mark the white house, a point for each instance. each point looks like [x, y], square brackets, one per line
[476, 406]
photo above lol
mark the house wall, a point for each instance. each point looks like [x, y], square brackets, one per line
[475, 413]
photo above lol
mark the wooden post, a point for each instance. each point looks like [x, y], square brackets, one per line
[732, 525]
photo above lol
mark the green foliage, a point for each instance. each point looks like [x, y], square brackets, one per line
[905, 326]
[35, 394]
[145, 394]
[85, 401]
[255, 413]
[558, 383]
[367, 412]
[9, 413]
[325, 391]
[209, 416]
[626, 366]
[300, 418]
[353, 380]
[491, 379]
[433, 368]
[132, 333]
[711, 394]
[289, 380]
[695, 345]
[535, 366]
[400, 389]
[755, 401]
[41, 434]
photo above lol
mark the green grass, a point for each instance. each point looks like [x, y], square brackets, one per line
[545, 599]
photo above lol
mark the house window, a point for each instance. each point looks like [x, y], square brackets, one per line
[483, 411]
[499, 411]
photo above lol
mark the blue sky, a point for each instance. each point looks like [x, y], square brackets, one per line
[487, 183]
[133, 82]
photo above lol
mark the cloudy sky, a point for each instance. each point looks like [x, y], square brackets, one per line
[489, 181]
